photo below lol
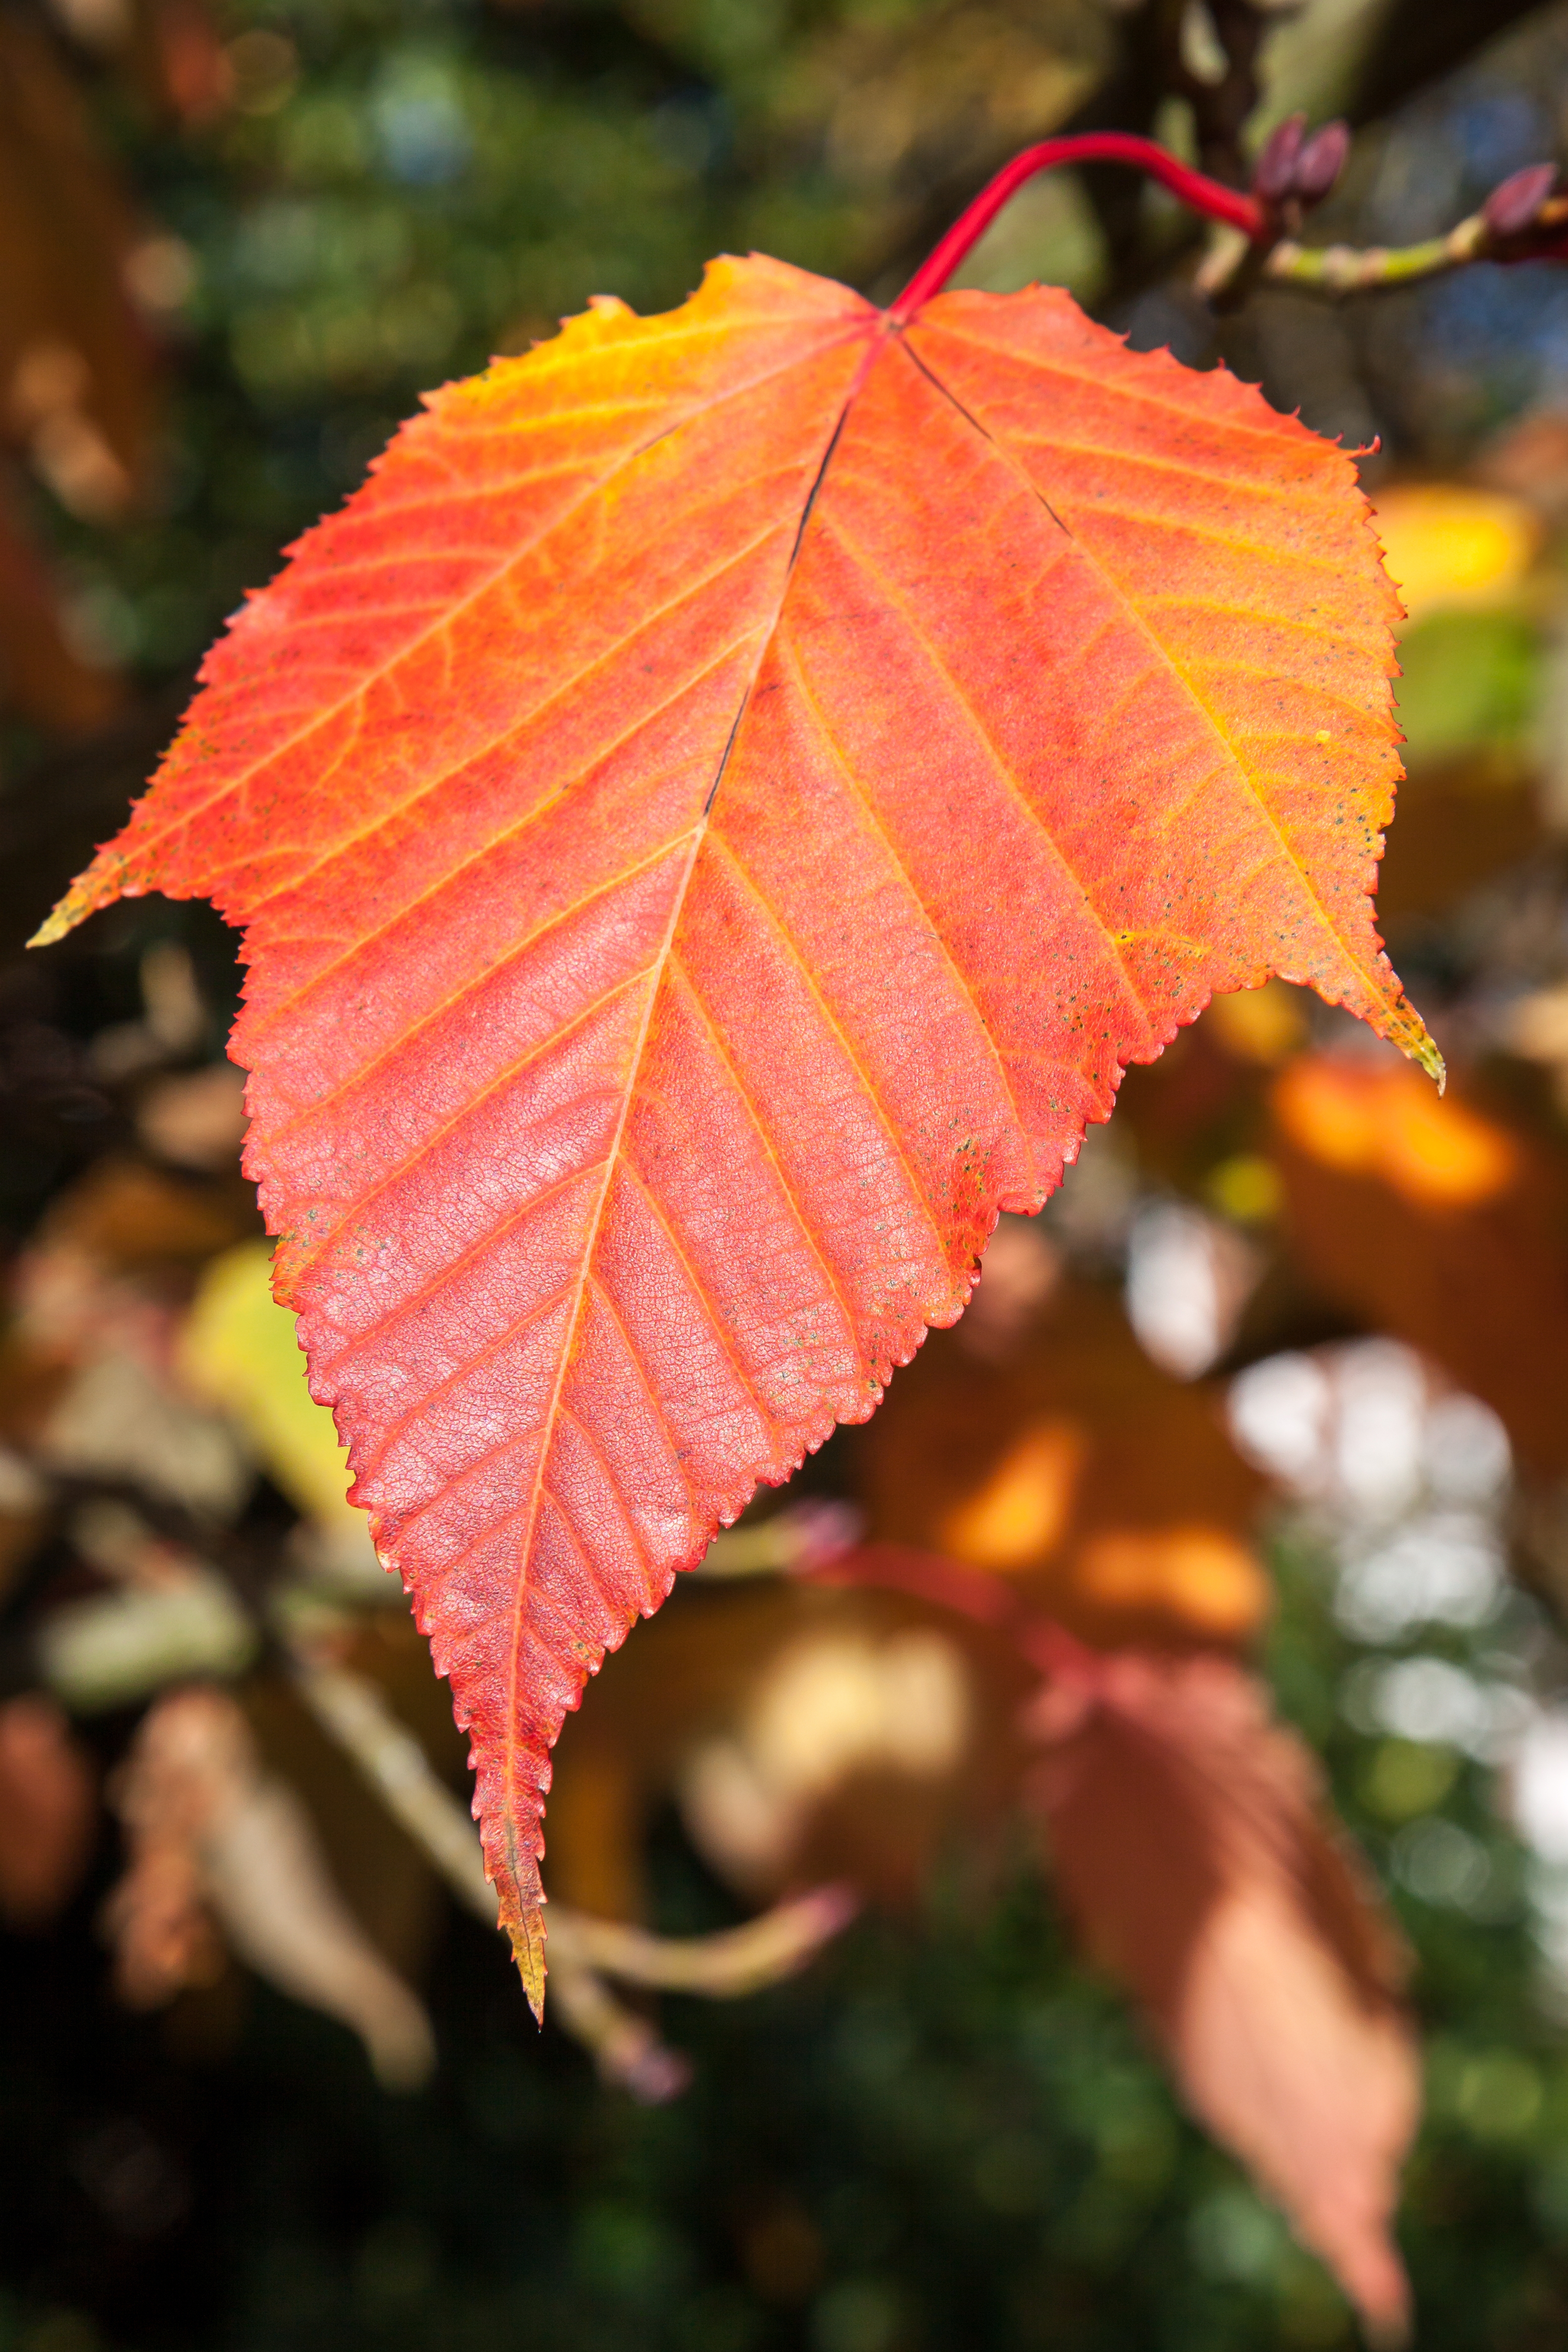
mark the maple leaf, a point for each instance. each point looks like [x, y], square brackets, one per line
[712, 819]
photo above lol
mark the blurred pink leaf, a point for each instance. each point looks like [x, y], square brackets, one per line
[1192, 1851]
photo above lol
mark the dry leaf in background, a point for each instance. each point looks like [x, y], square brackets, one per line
[1105, 1490]
[213, 1838]
[113, 1266]
[100, 1294]
[1432, 1219]
[806, 1734]
[49, 1807]
[385, 1878]
[1187, 1837]
[194, 1119]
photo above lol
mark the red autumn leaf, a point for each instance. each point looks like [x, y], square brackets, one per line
[711, 820]
[1188, 1844]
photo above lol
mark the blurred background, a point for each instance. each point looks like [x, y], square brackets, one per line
[1281, 1376]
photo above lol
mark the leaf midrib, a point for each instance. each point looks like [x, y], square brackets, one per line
[875, 344]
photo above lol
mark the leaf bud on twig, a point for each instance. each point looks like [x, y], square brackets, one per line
[1514, 202]
[1274, 174]
[1321, 160]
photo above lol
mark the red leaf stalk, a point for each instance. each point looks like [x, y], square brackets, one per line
[1204, 195]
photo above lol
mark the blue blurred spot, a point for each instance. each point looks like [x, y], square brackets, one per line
[421, 129]
[1499, 131]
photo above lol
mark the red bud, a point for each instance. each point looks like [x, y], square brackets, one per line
[1274, 174]
[1515, 202]
[1321, 160]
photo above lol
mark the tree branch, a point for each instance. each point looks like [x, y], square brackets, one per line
[1337, 270]
[1522, 220]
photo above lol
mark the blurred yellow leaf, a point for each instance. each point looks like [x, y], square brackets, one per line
[1204, 1575]
[1021, 1512]
[240, 1351]
[1434, 1149]
[1446, 544]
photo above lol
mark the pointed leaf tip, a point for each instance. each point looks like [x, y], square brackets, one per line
[527, 1940]
[54, 927]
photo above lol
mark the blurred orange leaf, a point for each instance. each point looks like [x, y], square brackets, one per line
[1107, 1491]
[1429, 1218]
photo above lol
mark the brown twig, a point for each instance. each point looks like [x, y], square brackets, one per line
[723, 1967]
[1221, 107]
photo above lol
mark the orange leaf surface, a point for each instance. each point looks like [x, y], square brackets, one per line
[711, 820]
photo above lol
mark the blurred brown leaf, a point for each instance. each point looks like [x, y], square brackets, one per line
[384, 1881]
[48, 1804]
[212, 1837]
[1108, 1492]
[1432, 1219]
[1191, 1849]
[807, 1734]
[77, 370]
[88, 1376]
[131, 1219]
